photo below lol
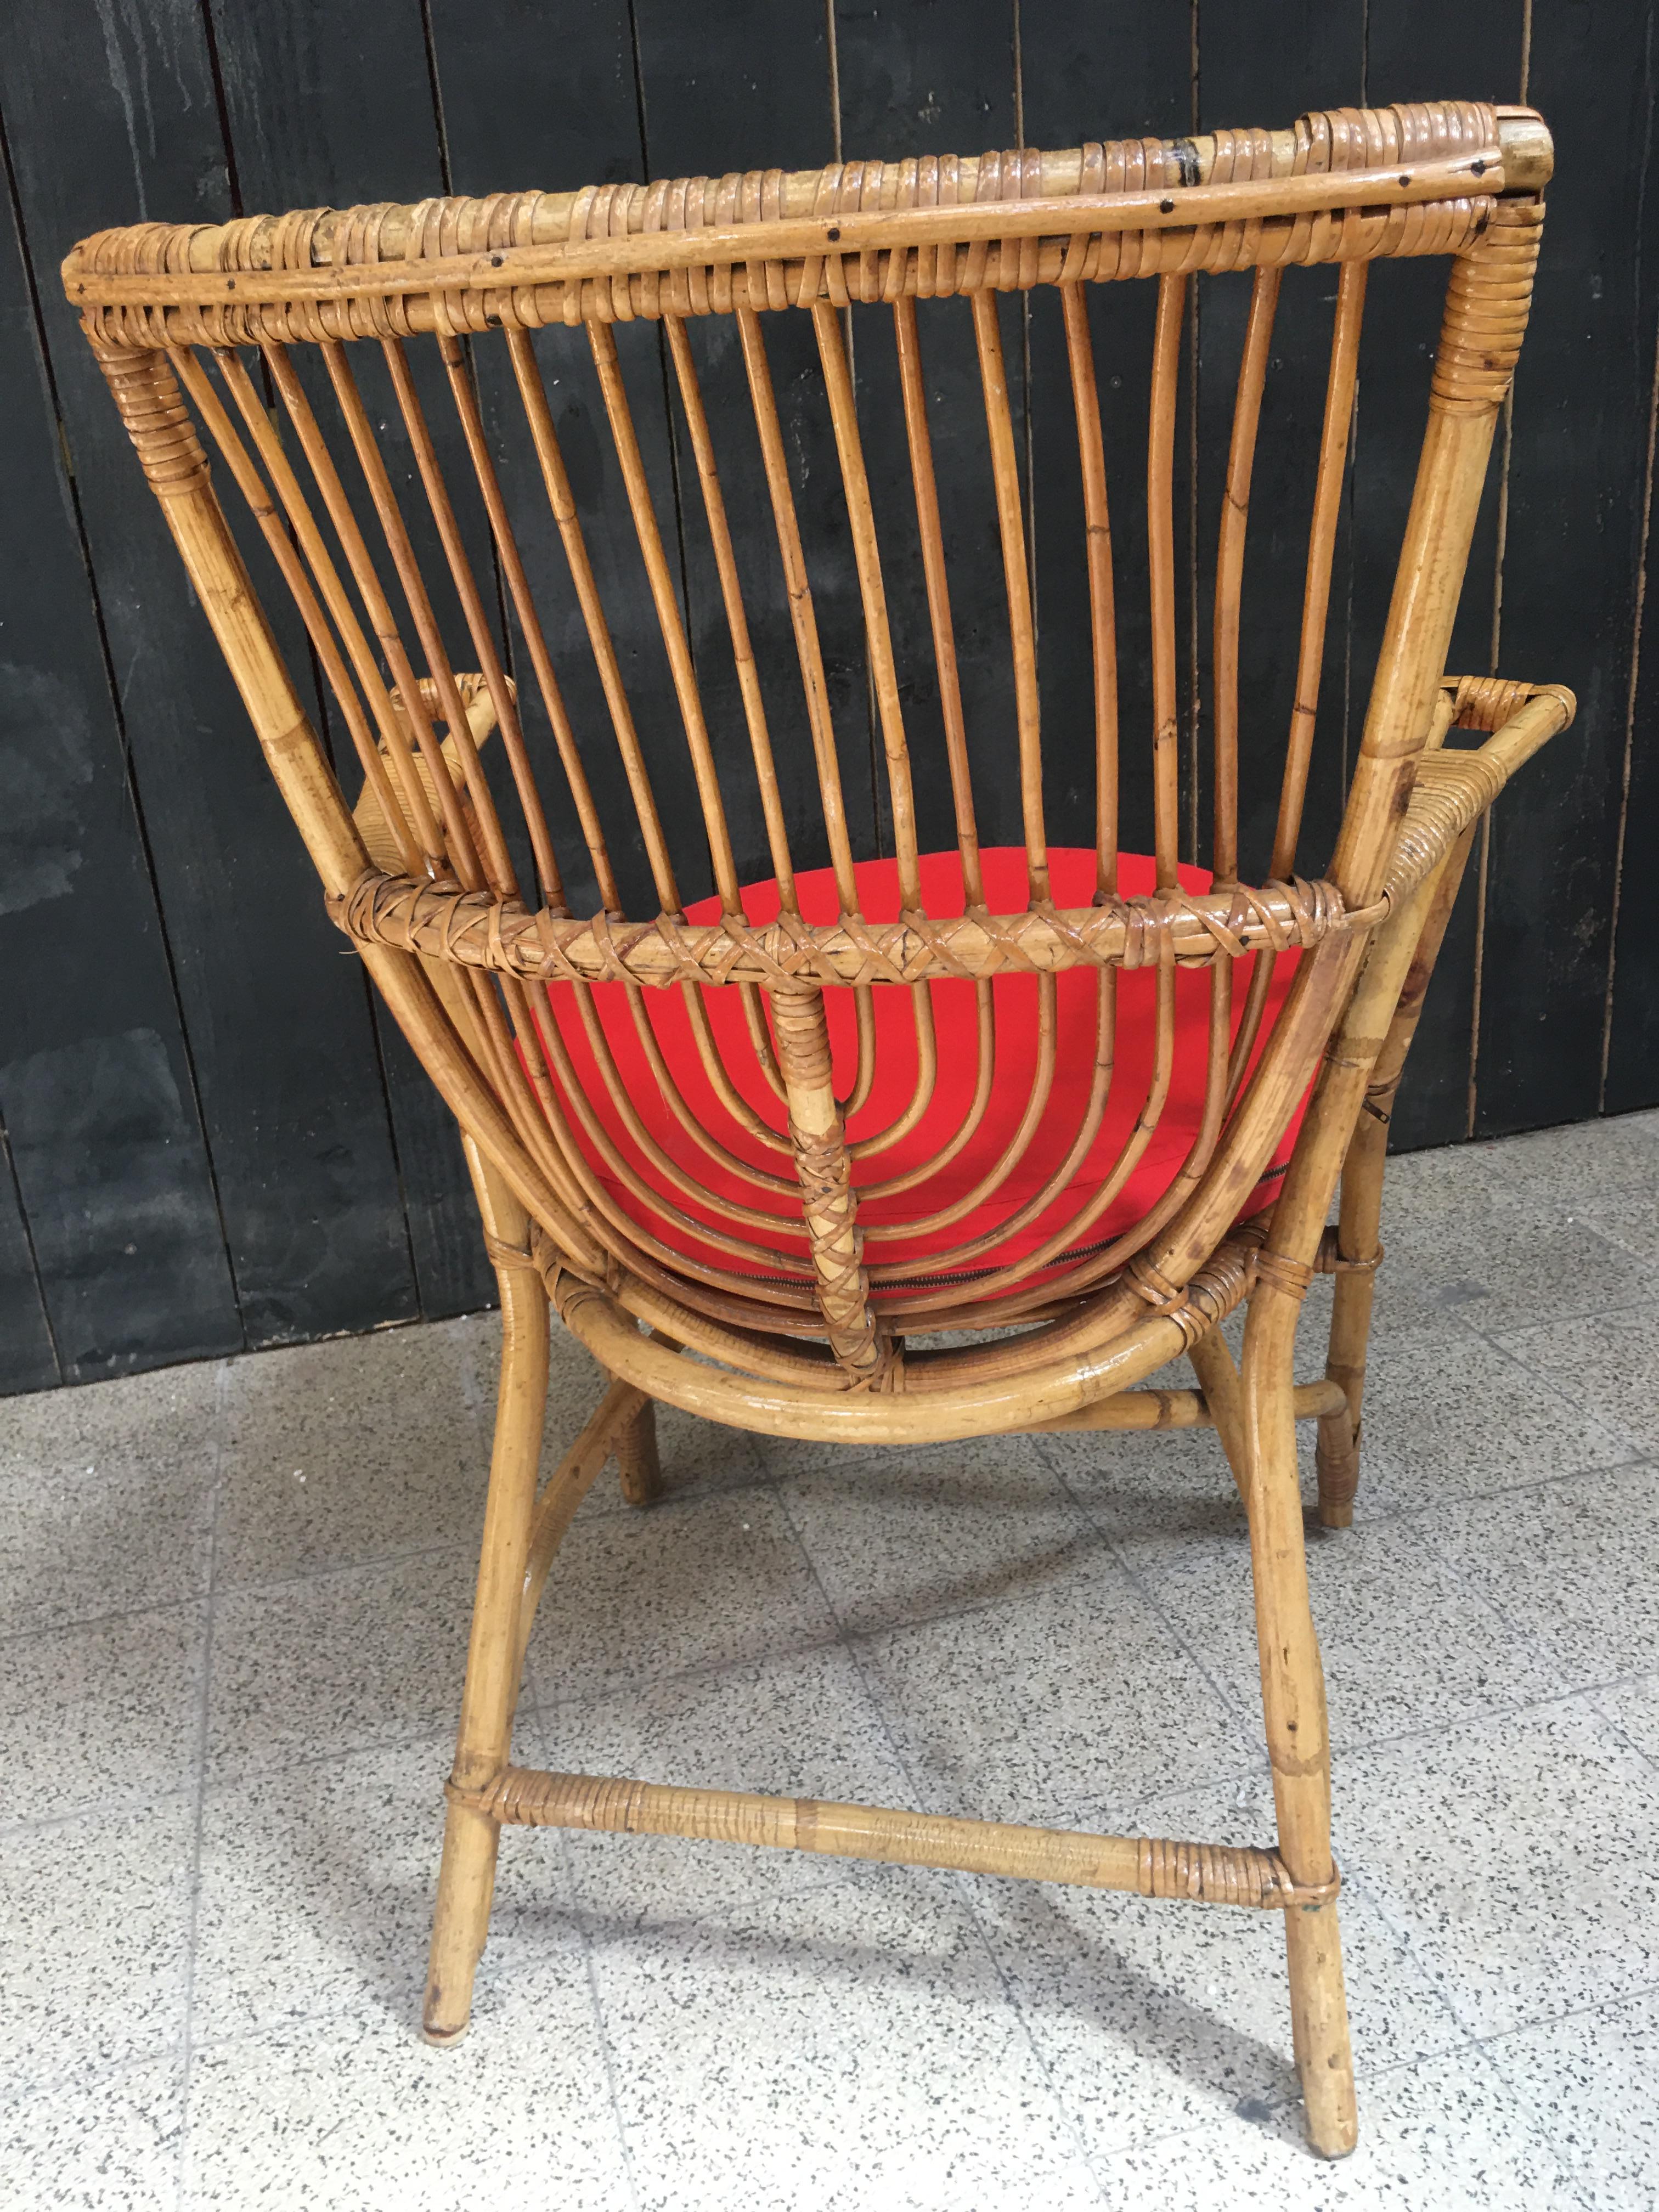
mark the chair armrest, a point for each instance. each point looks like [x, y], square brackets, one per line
[1453, 789]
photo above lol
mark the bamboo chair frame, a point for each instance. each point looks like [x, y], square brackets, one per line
[784, 1317]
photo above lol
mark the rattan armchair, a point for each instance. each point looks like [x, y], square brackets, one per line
[868, 1086]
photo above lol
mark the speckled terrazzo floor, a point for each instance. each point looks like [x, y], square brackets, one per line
[235, 1604]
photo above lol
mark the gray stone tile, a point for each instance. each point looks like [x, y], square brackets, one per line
[106, 1497]
[111, 2145]
[106, 1710]
[317, 1885]
[853, 2041]
[1448, 1414]
[801, 1726]
[1068, 1706]
[899, 1536]
[1519, 1851]
[1446, 2133]
[1625, 1219]
[1407, 1644]
[1608, 1362]
[698, 1460]
[355, 1449]
[1154, 2016]
[636, 1596]
[1573, 1565]
[356, 2110]
[1634, 1709]
[1445, 1412]
[363, 1656]
[1616, 1154]
[94, 1913]
[1590, 2080]
[1463, 1233]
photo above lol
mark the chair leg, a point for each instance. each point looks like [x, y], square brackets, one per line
[467, 1881]
[1293, 1708]
[635, 1450]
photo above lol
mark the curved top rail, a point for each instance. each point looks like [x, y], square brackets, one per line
[1345, 184]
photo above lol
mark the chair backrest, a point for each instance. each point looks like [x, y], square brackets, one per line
[458, 454]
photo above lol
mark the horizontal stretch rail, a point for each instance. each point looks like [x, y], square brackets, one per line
[1146, 1866]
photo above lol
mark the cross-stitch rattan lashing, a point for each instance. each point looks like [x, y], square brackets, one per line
[881, 1078]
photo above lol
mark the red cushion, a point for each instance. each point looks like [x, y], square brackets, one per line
[1072, 877]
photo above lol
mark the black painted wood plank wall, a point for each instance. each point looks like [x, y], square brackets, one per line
[209, 1138]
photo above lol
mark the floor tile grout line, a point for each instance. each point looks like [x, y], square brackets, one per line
[222, 1410]
[1637, 1461]
[80, 2080]
[1564, 1391]
[464, 1548]
[1531, 1644]
[571, 1912]
[1364, 2081]
[133, 1807]
[1435, 1733]
[878, 1708]
[1462, 2039]
[1544, 2115]
[608, 2060]
[190, 1600]
[1228, 1707]
[596, 1998]
[544, 1710]
[1546, 2020]
[1631, 1744]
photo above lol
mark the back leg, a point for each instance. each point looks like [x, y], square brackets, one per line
[635, 1449]
[1293, 1711]
[467, 1880]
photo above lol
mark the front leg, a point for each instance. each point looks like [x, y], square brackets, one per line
[1293, 1708]
[467, 1881]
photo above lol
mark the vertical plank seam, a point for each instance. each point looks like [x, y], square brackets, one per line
[1029, 427]
[446, 178]
[1194, 117]
[1349, 495]
[129, 774]
[320, 693]
[872, 745]
[33, 1256]
[1483, 874]
[430, 41]
[1637, 613]
[675, 475]
[215, 73]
